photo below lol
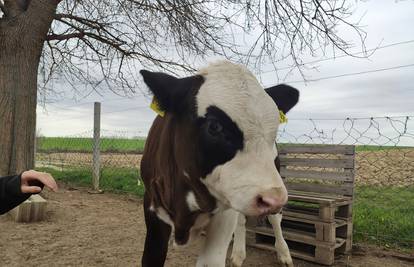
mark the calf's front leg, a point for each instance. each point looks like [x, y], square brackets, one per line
[156, 240]
[282, 249]
[238, 253]
[219, 233]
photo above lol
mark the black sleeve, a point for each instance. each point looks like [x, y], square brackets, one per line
[10, 193]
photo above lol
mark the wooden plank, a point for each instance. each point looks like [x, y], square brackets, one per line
[31, 210]
[38, 209]
[339, 242]
[293, 235]
[347, 162]
[327, 213]
[300, 236]
[313, 216]
[21, 213]
[317, 175]
[317, 149]
[319, 231]
[325, 255]
[293, 252]
[301, 255]
[329, 232]
[301, 214]
[311, 199]
[338, 222]
[314, 197]
[321, 188]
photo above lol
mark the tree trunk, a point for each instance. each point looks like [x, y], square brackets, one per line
[21, 43]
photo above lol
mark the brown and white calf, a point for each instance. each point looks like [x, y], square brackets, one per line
[209, 159]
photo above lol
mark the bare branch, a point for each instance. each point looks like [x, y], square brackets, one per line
[11, 7]
[2, 8]
[104, 43]
[61, 37]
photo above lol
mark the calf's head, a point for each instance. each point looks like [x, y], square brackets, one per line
[226, 124]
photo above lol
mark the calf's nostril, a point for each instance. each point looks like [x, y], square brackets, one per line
[261, 202]
[271, 201]
[267, 202]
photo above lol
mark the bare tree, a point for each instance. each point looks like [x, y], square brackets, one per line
[96, 45]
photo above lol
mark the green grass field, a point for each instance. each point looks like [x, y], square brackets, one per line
[382, 215]
[385, 216]
[363, 148]
[79, 144]
[367, 148]
[119, 180]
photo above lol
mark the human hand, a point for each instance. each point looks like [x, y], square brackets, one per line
[28, 177]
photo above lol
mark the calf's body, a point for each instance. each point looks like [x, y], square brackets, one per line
[209, 158]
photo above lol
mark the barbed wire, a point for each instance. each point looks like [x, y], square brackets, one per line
[340, 56]
[344, 75]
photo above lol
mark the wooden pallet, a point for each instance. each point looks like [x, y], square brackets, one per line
[308, 239]
[302, 244]
[317, 222]
[319, 252]
[32, 210]
[324, 208]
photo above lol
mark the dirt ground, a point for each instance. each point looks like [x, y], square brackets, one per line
[83, 229]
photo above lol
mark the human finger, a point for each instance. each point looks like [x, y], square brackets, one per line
[44, 178]
[31, 189]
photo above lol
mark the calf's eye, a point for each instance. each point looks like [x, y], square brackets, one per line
[214, 128]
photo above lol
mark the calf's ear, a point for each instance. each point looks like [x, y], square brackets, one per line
[173, 94]
[285, 96]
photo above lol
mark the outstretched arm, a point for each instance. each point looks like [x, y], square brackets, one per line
[16, 189]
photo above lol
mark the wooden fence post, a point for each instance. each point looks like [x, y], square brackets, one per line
[96, 146]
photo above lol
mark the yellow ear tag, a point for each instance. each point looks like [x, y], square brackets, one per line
[156, 107]
[282, 117]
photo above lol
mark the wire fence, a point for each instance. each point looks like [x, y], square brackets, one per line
[385, 147]
[384, 156]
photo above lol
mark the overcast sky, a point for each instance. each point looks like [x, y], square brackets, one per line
[376, 94]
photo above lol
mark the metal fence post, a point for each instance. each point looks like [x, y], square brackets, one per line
[96, 146]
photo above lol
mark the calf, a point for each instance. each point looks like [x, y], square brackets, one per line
[209, 158]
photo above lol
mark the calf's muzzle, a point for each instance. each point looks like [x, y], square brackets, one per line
[271, 201]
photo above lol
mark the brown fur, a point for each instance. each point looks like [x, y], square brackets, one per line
[168, 154]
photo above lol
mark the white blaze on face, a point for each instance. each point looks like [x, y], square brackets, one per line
[235, 90]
